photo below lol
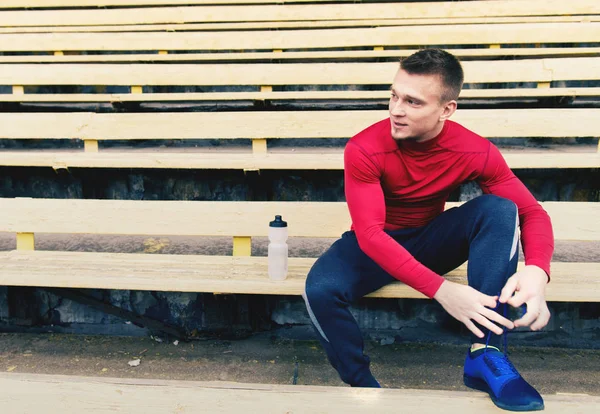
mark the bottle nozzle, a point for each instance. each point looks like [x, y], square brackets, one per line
[278, 222]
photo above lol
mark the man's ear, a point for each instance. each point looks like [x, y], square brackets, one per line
[449, 109]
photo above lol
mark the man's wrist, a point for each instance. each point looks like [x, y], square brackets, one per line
[539, 271]
[440, 295]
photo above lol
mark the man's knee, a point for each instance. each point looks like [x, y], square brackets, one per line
[498, 208]
[500, 217]
[492, 202]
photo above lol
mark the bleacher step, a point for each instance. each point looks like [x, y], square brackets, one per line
[74, 394]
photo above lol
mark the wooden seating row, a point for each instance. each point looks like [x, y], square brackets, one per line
[242, 221]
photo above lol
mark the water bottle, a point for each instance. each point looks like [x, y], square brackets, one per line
[278, 249]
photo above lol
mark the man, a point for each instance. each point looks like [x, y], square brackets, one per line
[398, 174]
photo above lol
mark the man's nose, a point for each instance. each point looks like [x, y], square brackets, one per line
[397, 108]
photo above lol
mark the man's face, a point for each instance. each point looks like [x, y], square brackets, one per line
[416, 108]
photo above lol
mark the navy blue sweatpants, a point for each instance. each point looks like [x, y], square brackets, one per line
[482, 231]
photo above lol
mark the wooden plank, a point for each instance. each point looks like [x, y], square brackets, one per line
[313, 160]
[72, 394]
[18, 4]
[312, 55]
[515, 33]
[149, 218]
[260, 74]
[554, 6]
[557, 123]
[311, 24]
[571, 220]
[571, 282]
[292, 95]
[154, 15]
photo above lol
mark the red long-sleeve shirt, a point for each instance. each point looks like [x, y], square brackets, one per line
[391, 185]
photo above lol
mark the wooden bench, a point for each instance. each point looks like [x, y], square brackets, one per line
[259, 14]
[159, 396]
[319, 59]
[268, 79]
[239, 273]
[541, 73]
[260, 125]
[93, 127]
[259, 31]
[281, 42]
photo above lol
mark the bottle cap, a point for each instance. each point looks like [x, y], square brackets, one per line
[278, 222]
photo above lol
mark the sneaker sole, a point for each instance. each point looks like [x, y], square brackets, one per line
[480, 385]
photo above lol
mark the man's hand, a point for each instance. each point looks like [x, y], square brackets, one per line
[528, 286]
[467, 305]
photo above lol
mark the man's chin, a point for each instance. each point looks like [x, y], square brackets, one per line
[401, 137]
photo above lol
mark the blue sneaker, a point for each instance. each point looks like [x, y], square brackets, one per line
[489, 370]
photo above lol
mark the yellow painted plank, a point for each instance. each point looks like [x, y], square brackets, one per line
[25, 241]
[263, 74]
[298, 160]
[571, 220]
[242, 246]
[295, 95]
[18, 90]
[136, 90]
[557, 123]
[571, 282]
[151, 396]
[91, 145]
[153, 15]
[514, 33]
[259, 146]
[312, 55]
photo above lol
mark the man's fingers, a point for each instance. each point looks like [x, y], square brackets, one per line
[533, 313]
[485, 322]
[517, 300]
[489, 301]
[471, 326]
[542, 320]
[509, 289]
[496, 317]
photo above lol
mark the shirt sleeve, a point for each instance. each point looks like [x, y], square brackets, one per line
[537, 236]
[366, 203]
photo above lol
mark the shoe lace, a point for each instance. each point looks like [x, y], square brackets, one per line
[504, 337]
[499, 363]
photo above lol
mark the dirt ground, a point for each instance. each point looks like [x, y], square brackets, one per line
[269, 359]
